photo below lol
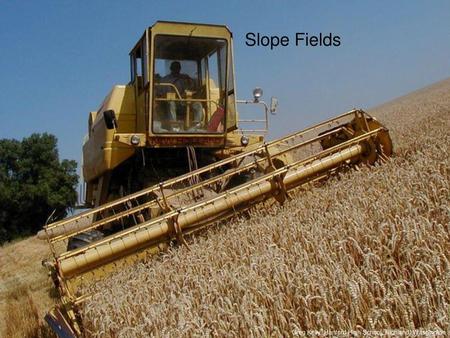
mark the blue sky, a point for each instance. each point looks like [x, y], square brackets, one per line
[60, 58]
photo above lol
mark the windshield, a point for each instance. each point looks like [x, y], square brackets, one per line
[189, 85]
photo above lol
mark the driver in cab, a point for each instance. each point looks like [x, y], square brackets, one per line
[183, 83]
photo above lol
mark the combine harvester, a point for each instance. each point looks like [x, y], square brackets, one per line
[165, 157]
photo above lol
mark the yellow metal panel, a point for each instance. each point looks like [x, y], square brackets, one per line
[192, 29]
[100, 152]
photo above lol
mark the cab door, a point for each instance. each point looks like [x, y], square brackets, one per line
[139, 61]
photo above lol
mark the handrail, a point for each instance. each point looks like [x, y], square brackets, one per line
[265, 120]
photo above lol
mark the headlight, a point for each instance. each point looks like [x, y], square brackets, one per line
[257, 93]
[135, 140]
[244, 140]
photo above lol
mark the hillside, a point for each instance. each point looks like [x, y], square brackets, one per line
[366, 251]
[25, 289]
[369, 250]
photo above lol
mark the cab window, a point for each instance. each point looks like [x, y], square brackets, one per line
[189, 93]
[138, 62]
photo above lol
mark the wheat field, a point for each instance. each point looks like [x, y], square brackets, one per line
[368, 250]
[365, 252]
[26, 292]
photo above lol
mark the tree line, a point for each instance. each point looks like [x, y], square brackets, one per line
[33, 184]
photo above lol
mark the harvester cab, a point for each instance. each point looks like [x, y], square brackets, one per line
[181, 94]
[165, 158]
[184, 74]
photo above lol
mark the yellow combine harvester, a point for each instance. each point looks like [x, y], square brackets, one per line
[165, 158]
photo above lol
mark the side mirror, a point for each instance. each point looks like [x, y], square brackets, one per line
[110, 119]
[273, 105]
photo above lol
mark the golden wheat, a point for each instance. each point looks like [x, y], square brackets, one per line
[314, 263]
[368, 250]
[25, 291]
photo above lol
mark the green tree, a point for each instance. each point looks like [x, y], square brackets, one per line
[33, 183]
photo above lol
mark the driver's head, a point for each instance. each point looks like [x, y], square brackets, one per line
[175, 67]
